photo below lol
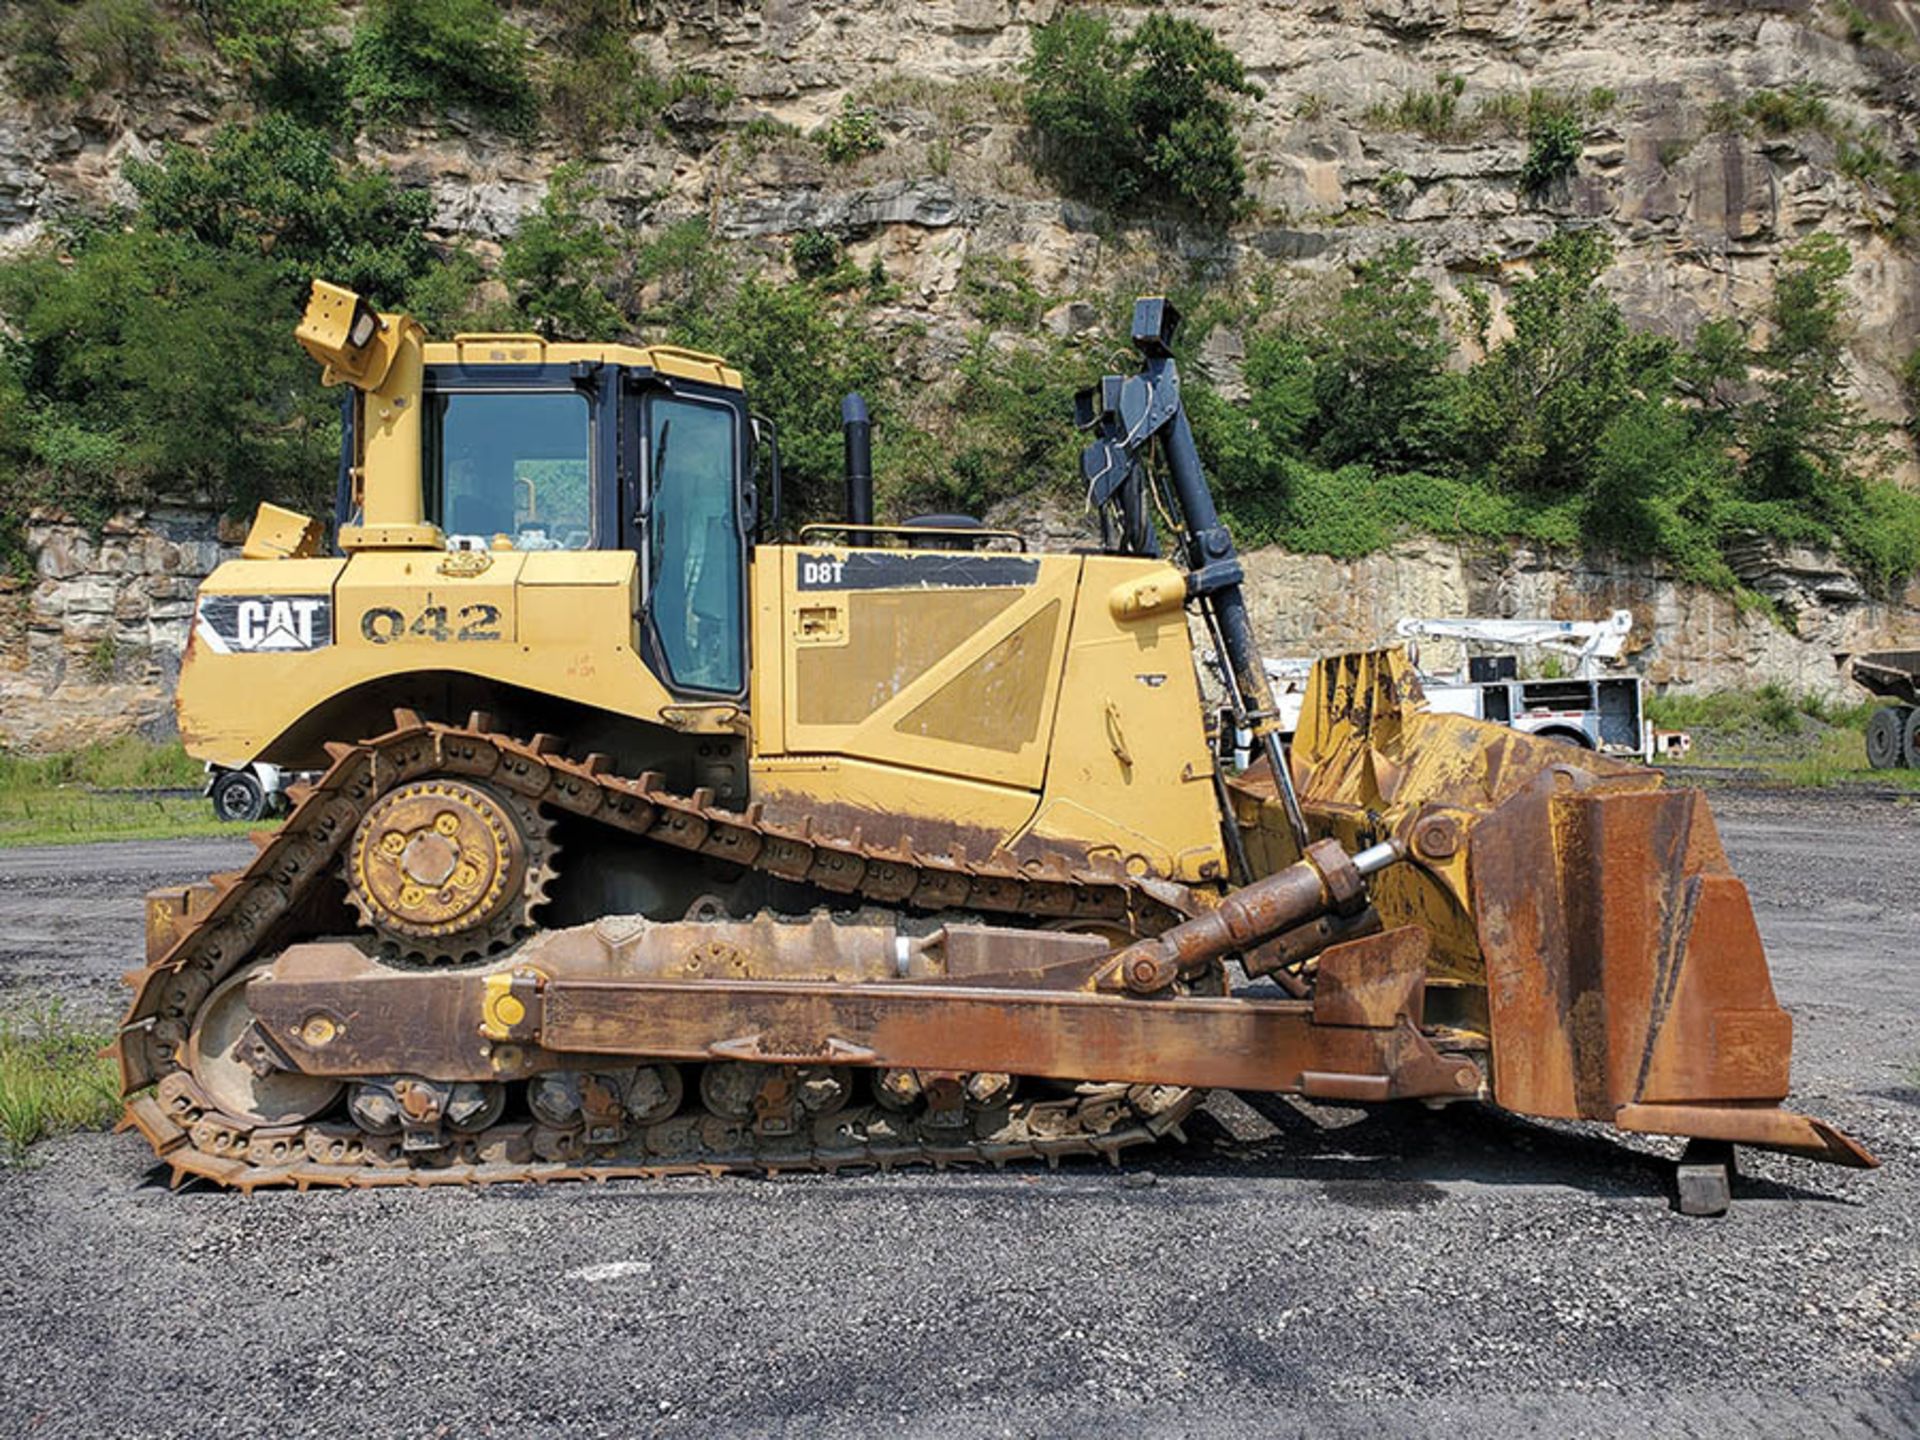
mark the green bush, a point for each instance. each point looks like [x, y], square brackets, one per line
[1380, 389]
[1011, 429]
[815, 254]
[1001, 292]
[1771, 708]
[1146, 118]
[799, 353]
[277, 189]
[410, 57]
[1441, 113]
[1781, 112]
[1553, 149]
[593, 77]
[1801, 424]
[155, 364]
[687, 269]
[1534, 411]
[63, 47]
[153, 357]
[1575, 429]
[1435, 112]
[283, 50]
[561, 264]
[854, 132]
[655, 93]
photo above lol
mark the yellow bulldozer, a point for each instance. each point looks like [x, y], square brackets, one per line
[648, 842]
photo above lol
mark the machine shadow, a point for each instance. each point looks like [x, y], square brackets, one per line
[1407, 1152]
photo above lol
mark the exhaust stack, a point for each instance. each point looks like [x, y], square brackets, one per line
[859, 432]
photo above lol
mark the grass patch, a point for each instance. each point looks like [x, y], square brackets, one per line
[1797, 739]
[1839, 757]
[1772, 709]
[53, 1079]
[103, 792]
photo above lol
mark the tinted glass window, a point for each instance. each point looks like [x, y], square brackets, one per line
[695, 550]
[513, 464]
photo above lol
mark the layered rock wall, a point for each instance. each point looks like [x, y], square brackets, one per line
[90, 649]
[1701, 205]
[1685, 638]
[1700, 201]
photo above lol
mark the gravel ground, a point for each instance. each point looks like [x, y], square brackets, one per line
[1292, 1270]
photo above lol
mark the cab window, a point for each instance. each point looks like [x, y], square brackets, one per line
[514, 464]
[696, 552]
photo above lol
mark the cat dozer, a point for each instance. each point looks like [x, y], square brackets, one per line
[649, 843]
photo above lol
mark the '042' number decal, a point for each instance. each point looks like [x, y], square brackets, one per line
[383, 624]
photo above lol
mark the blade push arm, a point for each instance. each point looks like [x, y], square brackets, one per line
[1130, 416]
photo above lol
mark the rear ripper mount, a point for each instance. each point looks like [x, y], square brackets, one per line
[634, 1047]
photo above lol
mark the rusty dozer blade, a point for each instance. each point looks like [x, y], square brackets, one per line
[1583, 917]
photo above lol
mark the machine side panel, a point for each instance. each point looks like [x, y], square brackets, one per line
[1130, 762]
[559, 625]
[930, 660]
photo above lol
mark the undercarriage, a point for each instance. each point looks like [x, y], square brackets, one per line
[459, 1041]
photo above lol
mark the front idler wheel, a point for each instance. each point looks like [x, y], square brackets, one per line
[237, 1070]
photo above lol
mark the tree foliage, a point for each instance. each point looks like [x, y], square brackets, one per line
[80, 47]
[799, 355]
[1148, 117]
[152, 356]
[277, 190]
[1574, 426]
[1535, 411]
[284, 51]
[1380, 392]
[412, 56]
[154, 364]
[560, 263]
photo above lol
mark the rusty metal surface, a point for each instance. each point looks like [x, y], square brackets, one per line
[448, 867]
[1623, 962]
[204, 937]
[1621, 969]
[801, 1010]
[1283, 901]
[338, 1012]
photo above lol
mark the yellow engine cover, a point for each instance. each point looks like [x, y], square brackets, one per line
[979, 700]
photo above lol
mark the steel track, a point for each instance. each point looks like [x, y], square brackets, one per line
[277, 898]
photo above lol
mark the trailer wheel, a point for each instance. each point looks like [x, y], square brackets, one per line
[1565, 737]
[237, 795]
[1887, 732]
[1910, 740]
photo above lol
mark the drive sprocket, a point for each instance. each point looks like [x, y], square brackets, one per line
[447, 869]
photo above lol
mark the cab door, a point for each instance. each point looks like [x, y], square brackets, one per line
[690, 524]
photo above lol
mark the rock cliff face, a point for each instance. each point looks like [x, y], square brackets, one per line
[1699, 201]
[91, 648]
[1685, 637]
[1700, 204]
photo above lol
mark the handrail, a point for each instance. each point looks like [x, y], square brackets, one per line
[953, 532]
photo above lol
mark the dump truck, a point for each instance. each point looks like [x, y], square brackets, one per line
[648, 841]
[1893, 730]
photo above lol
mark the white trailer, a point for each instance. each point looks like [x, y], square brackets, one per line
[1590, 708]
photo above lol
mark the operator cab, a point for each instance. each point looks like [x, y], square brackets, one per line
[535, 446]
